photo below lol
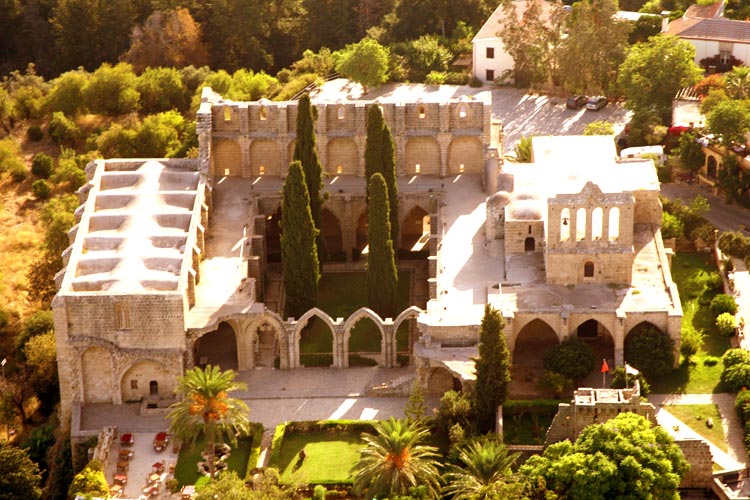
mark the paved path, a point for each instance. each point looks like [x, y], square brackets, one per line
[736, 457]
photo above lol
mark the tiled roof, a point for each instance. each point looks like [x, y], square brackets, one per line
[491, 27]
[696, 11]
[721, 29]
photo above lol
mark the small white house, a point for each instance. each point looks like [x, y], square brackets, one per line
[712, 34]
[489, 57]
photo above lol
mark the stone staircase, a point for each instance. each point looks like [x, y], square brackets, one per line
[400, 386]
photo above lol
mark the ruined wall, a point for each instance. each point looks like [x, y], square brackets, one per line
[257, 138]
[698, 455]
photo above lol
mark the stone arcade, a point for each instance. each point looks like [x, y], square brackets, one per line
[168, 263]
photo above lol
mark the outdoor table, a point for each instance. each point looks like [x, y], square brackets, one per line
[120, 479]
[153, 477]
[127, 439]
[187, 492]
[158, 467]
[125, 454]
[122, 466]
[160, 441]
[115, 490]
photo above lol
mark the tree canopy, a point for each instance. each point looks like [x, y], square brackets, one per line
[654, 71]
[382, 276]
[364, 62]
[624, 457]
[19, 476]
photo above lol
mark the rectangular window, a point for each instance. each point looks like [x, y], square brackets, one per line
[134, 384]
[490, 76]
[490, 52]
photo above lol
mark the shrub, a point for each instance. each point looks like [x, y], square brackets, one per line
[723, 303]
[4, 318]
[734, 244]
[111, 90]
[713, 282]
[554, 382]
[162, 89]
[436, 78]
[572, 358]
[727, 324]
[117, 142]
[455, 408]
[650, 350]
[735, 356]
[10, 161]
[68, 171]
[41, 165]
[319, 492]
[62, 130]
[475, 82]
[692, 340]
[35, 133]
[457, 78]
[742, 405]
[711, 361]
[41, 189]
[17, 171]
[736, 376]
[671, 226]
[523, 149]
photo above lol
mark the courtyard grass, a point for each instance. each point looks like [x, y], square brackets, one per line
[186, 468]
[526, 422]
[701, 374]
[340, 294]
[330, 457]
[694, 416]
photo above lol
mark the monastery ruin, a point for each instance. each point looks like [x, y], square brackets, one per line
[169, 263]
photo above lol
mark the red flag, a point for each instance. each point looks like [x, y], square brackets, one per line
[605, 367]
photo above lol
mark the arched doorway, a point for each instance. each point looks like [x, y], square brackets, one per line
[415, 234]
[361, 236]
[531, 344]
[315, 341]
[266, 346]
[365, 343]
[273, 236]
[440, 380]
[331, 231]
[711, 167]
[147, 379]
[529, 245]
[217, 348]
[598, 337]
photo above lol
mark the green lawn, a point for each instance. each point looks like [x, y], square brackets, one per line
[186, 469]
[340, 295]
[526, 422]
[689, 415]
[702, 374]
[329, 459]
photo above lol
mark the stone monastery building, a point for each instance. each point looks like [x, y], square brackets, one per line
[172, 262]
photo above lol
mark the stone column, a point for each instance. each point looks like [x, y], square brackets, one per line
[605, 225]
[619, 338]
[573, 240]
[245, 168]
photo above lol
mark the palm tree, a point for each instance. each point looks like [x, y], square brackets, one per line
[396, 459]
[206, 409]
[486, 468]
[737, 82]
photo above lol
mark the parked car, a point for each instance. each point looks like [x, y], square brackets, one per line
[596, 102]
[575, 101]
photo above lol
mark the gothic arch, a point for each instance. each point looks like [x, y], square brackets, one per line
[332, 232]
[408, 313]
[302, 322]
[265, 158]
[353, 320]
[532, 341]
[411, 227]
[221, 346]
[227, 158]
[96, 375]
[342, 157]
[466, 151]
[249, 336]
[422, 151]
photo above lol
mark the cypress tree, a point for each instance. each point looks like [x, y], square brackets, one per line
[299, 254]
[492, 369]
[380, 157]
[306, 153]
[382, 278]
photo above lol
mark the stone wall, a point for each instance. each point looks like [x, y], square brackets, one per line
[257, 138]
[698, 455]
